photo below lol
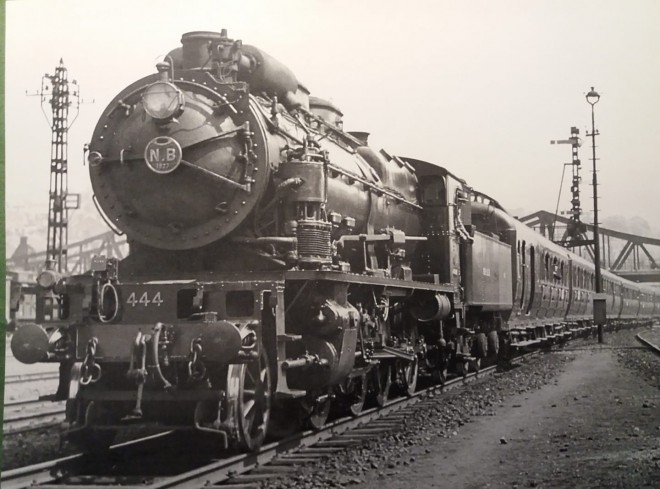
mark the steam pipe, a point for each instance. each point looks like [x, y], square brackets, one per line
[304, 362]
[278, 240]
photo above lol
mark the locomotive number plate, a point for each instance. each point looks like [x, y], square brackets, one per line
[144, 299]
[163, 154]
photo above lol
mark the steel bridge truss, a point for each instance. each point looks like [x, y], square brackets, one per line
[79, 256]
[625, 254]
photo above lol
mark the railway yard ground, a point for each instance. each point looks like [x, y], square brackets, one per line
[586, 415]
[593, 423]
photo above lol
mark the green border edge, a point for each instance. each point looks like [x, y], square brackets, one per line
[3, 42]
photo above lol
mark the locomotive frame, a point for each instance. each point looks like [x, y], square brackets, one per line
[279, 266]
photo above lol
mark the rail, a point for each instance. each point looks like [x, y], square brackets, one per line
[29, 415]
[649, 345]
[35, 377]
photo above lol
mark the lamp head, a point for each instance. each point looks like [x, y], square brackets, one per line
[593, 97]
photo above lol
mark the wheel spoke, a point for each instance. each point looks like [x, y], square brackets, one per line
[249, 417]
[251, 393]
[248, 406]
[251, 375]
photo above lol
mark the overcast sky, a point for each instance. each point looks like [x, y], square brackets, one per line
[480, 87]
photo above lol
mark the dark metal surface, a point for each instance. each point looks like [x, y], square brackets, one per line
[488, 273]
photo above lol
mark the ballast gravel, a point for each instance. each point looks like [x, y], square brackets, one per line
[390, 454]
[583, 416]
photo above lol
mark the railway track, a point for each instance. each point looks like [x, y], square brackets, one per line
[29, 415]
[34, 377]
[648, 344]
[44, 473]
[243, 470]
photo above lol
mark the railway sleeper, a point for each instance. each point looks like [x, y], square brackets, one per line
[241, 486]
[296, 458]
[293, 462]
[338, 443]
[244, 478]
[272, 469]
[320, 450]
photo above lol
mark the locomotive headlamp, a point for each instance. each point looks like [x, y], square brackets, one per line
[48, 278]
[163, 101]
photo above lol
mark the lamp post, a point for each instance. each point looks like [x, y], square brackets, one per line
[599, 301]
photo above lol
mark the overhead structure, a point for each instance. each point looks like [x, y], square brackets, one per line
[61, 95]
[575, 230]
[628, 255]
[79, 256]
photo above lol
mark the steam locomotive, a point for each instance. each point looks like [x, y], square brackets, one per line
[279, 265]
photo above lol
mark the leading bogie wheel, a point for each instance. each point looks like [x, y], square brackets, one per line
[355, 394]
[317, 410]
[382, 381]
[407, 376]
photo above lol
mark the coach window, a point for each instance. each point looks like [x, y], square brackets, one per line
[532, 277]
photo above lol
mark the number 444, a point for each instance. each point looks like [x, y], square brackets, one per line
[144, 299]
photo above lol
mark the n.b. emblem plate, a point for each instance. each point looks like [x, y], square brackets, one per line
[163, 154]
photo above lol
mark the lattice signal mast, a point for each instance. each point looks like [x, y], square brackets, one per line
[574, 235]
[61, 95]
